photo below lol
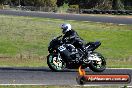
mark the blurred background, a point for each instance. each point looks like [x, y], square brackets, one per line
[70, 6]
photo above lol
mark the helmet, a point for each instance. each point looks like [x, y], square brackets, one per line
[65, 27]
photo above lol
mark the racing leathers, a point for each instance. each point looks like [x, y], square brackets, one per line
[72, 37]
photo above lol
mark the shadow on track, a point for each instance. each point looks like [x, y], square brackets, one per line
[33, 69]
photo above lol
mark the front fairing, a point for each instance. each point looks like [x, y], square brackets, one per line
[53, 44]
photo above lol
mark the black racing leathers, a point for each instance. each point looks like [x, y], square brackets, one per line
[73, 38]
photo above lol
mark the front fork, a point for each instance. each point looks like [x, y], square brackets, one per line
[57, 60]
[59, 57]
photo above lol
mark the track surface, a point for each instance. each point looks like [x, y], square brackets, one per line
[116, 20]
[44, 76]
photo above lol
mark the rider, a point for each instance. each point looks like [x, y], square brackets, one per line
[71, 36]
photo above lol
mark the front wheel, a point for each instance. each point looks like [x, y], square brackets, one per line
[55, 62]
[97, 66]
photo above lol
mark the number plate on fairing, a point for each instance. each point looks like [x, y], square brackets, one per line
[61, 48]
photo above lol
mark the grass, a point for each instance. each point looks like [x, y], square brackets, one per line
[24, 40]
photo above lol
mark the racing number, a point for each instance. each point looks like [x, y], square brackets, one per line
[62, 48]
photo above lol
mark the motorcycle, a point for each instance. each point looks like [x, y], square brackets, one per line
[65, 55]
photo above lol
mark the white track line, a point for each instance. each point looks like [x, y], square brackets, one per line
[121, 24]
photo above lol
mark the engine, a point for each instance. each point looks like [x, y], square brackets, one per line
[71, 49]
[74, 52]
[69, 52]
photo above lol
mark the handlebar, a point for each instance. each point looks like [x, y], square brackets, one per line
[59, 36]
[66, 40]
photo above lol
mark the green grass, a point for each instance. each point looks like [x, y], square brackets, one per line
[24, 40]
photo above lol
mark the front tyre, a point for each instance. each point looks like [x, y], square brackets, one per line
[55, 62]
[97, 66]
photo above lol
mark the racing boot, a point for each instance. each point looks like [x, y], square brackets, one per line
[84, 50]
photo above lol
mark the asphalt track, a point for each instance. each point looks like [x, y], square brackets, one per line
[105, 19]
[44, 76]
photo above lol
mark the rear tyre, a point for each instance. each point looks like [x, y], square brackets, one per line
[55, 62]
[98, 66]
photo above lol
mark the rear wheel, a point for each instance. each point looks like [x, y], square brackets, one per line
[97, 66]
[55, 62]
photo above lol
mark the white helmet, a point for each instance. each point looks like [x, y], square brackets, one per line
[65, 27]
